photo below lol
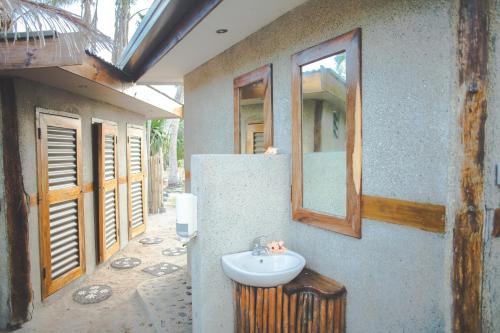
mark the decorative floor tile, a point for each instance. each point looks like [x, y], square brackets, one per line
[151, 240]
[126, 263]
[161, 269]
[92, 294]
[174, 251]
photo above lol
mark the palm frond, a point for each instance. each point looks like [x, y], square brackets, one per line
[32, 18]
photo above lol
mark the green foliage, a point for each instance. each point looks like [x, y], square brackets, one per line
[158, 137]
[180, 142]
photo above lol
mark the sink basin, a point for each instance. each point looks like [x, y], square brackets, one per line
[263, 271]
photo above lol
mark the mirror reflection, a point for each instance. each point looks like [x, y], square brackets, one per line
[251, 110]
[324, 135]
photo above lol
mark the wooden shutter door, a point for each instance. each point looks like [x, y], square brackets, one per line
[109, 222]
[60, 200]
[255, 139]
[137, 214]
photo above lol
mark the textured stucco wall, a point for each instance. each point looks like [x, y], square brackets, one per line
[30, 95]
[237, 202]
[394, 275]
[491, 285]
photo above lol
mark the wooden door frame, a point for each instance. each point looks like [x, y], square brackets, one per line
[45, 199]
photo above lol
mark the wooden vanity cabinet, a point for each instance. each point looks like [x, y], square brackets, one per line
[310, 303]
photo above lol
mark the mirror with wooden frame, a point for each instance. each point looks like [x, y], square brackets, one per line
[326, 135]
[253, 117]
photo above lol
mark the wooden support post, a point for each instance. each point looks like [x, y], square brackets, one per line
[16, 208]
[467, 272]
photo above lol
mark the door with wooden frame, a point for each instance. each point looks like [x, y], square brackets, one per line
[60, 193]
[109, 221]
[137, 214]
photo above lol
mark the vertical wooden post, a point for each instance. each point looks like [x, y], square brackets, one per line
[16, 208]
[467, 270]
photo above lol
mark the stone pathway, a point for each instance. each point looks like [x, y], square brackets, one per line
[129, 309]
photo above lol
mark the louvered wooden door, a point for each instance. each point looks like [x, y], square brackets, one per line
[109, 222]
[60, 200]
[137, 213]
[255, 139]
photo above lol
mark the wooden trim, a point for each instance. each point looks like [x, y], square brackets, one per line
[264, 74]
[35, 53]
[496, 223]
[88, 187]
[187, 174]
[351, 224]
[424, 216]
[47, 197]
[16, 209]
[104, 186]
[251, 130]
[468, 243]
[134, 130]
[122, 180]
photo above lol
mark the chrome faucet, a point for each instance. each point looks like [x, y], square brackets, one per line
[258, 249]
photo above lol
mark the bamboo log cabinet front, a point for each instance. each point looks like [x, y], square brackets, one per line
[310, 303]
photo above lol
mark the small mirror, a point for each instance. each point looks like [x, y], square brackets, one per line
[252, 118]
[253, 111]
[324, 135]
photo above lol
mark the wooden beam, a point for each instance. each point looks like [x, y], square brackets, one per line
[35, 53]
[16, 208]
[96, 70]
[467, 272]
[318, 115]
[424, 216]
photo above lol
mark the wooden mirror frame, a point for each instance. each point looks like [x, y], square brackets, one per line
[264, 74]
[350, 224]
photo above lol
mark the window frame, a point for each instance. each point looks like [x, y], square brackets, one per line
[350, 224]
[265, 74]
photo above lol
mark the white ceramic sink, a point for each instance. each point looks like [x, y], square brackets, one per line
[263, 271]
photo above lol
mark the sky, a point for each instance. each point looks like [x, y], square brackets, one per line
[106, 15]
[106, 24]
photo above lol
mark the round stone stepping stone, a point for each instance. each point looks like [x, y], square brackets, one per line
[174, 251]
[92, 294]
[161, 269]
[126, 263]
[151, 240]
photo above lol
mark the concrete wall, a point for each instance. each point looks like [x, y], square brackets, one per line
[240, 197]
[491, 285]
[30, 95]
[394, 275]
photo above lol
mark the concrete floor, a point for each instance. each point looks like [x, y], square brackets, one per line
[127, 310]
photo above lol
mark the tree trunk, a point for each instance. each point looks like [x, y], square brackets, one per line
[173, 175]
[87, 11]
[122, 14]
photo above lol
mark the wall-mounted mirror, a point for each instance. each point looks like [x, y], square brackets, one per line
[326, 108]
[253, 128]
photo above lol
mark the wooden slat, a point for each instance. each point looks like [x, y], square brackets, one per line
[424, 216]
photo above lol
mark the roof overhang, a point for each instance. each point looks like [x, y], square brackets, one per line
[95, 79]
[177, 36]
